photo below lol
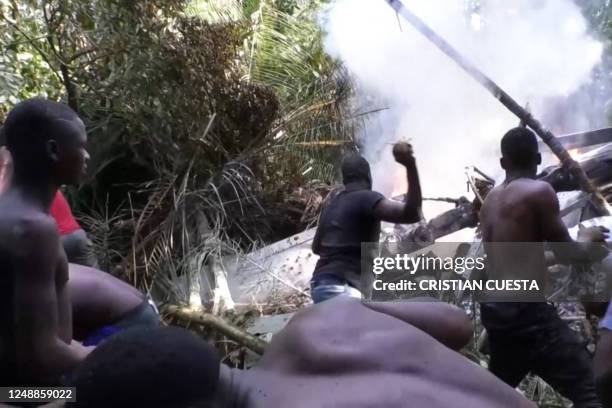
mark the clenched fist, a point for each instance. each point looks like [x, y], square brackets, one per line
[404, 154]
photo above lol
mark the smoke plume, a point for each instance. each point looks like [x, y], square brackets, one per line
[539, 51]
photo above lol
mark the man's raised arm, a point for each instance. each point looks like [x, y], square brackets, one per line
[410, 211]
[41, 353]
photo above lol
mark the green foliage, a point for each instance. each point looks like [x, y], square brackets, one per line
[286, 53]
[196, 112]
[599, 14]
[25, 70]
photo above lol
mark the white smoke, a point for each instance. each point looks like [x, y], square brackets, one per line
[534, 49]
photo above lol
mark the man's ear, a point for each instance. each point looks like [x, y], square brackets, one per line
[539, 158]
[502, 163]
[52, 150]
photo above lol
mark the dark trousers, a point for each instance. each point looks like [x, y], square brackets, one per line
[537, 340]
[79, 249]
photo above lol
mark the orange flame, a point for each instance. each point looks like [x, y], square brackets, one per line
[573, 153]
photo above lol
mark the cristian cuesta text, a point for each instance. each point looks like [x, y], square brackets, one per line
[457, 284]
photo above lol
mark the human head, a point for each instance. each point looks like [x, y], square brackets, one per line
[356, 169]
[154, 367]
[520, 151]
[47, 142]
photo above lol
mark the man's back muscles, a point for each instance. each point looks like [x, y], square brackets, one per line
[511, 212]
[35, 322]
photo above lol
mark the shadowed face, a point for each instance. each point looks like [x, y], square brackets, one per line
[68, 151]
[356, 169]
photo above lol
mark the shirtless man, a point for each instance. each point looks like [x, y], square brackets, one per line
[47, 142]
[101, 304]
[340, 353]
[353, 217]
[78, 247]
[532, 337]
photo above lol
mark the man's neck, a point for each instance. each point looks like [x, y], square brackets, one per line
[517, 174]
[39, 193]
[357, 185]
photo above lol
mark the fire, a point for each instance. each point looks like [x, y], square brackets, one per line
[573, 153]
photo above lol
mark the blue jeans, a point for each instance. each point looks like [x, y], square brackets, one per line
[323, 290]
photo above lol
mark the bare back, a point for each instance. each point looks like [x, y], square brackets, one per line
[510, 212]
[516, 218]
[35, 304]
[342, 353]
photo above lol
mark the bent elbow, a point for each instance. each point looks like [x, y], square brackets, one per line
[462, 331]
[411, 216]
[454, 326]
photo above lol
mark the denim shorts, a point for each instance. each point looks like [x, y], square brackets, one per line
[144, 316]
[322, 290]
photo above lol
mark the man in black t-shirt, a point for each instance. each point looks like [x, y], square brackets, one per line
[353, 217]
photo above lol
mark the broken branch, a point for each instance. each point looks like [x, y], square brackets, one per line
[230, 331]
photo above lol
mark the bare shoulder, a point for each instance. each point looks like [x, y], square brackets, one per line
[523, 189]
[341, 317]
[25, 230]
[540, 192]
[492, 197]
[30, 224]
[321, 331]
[539, 186]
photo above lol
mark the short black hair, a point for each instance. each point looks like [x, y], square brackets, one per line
[520, 147]
[355, 168]
[148, 367]
[31, 123]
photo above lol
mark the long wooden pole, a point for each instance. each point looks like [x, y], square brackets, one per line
[551, 141]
